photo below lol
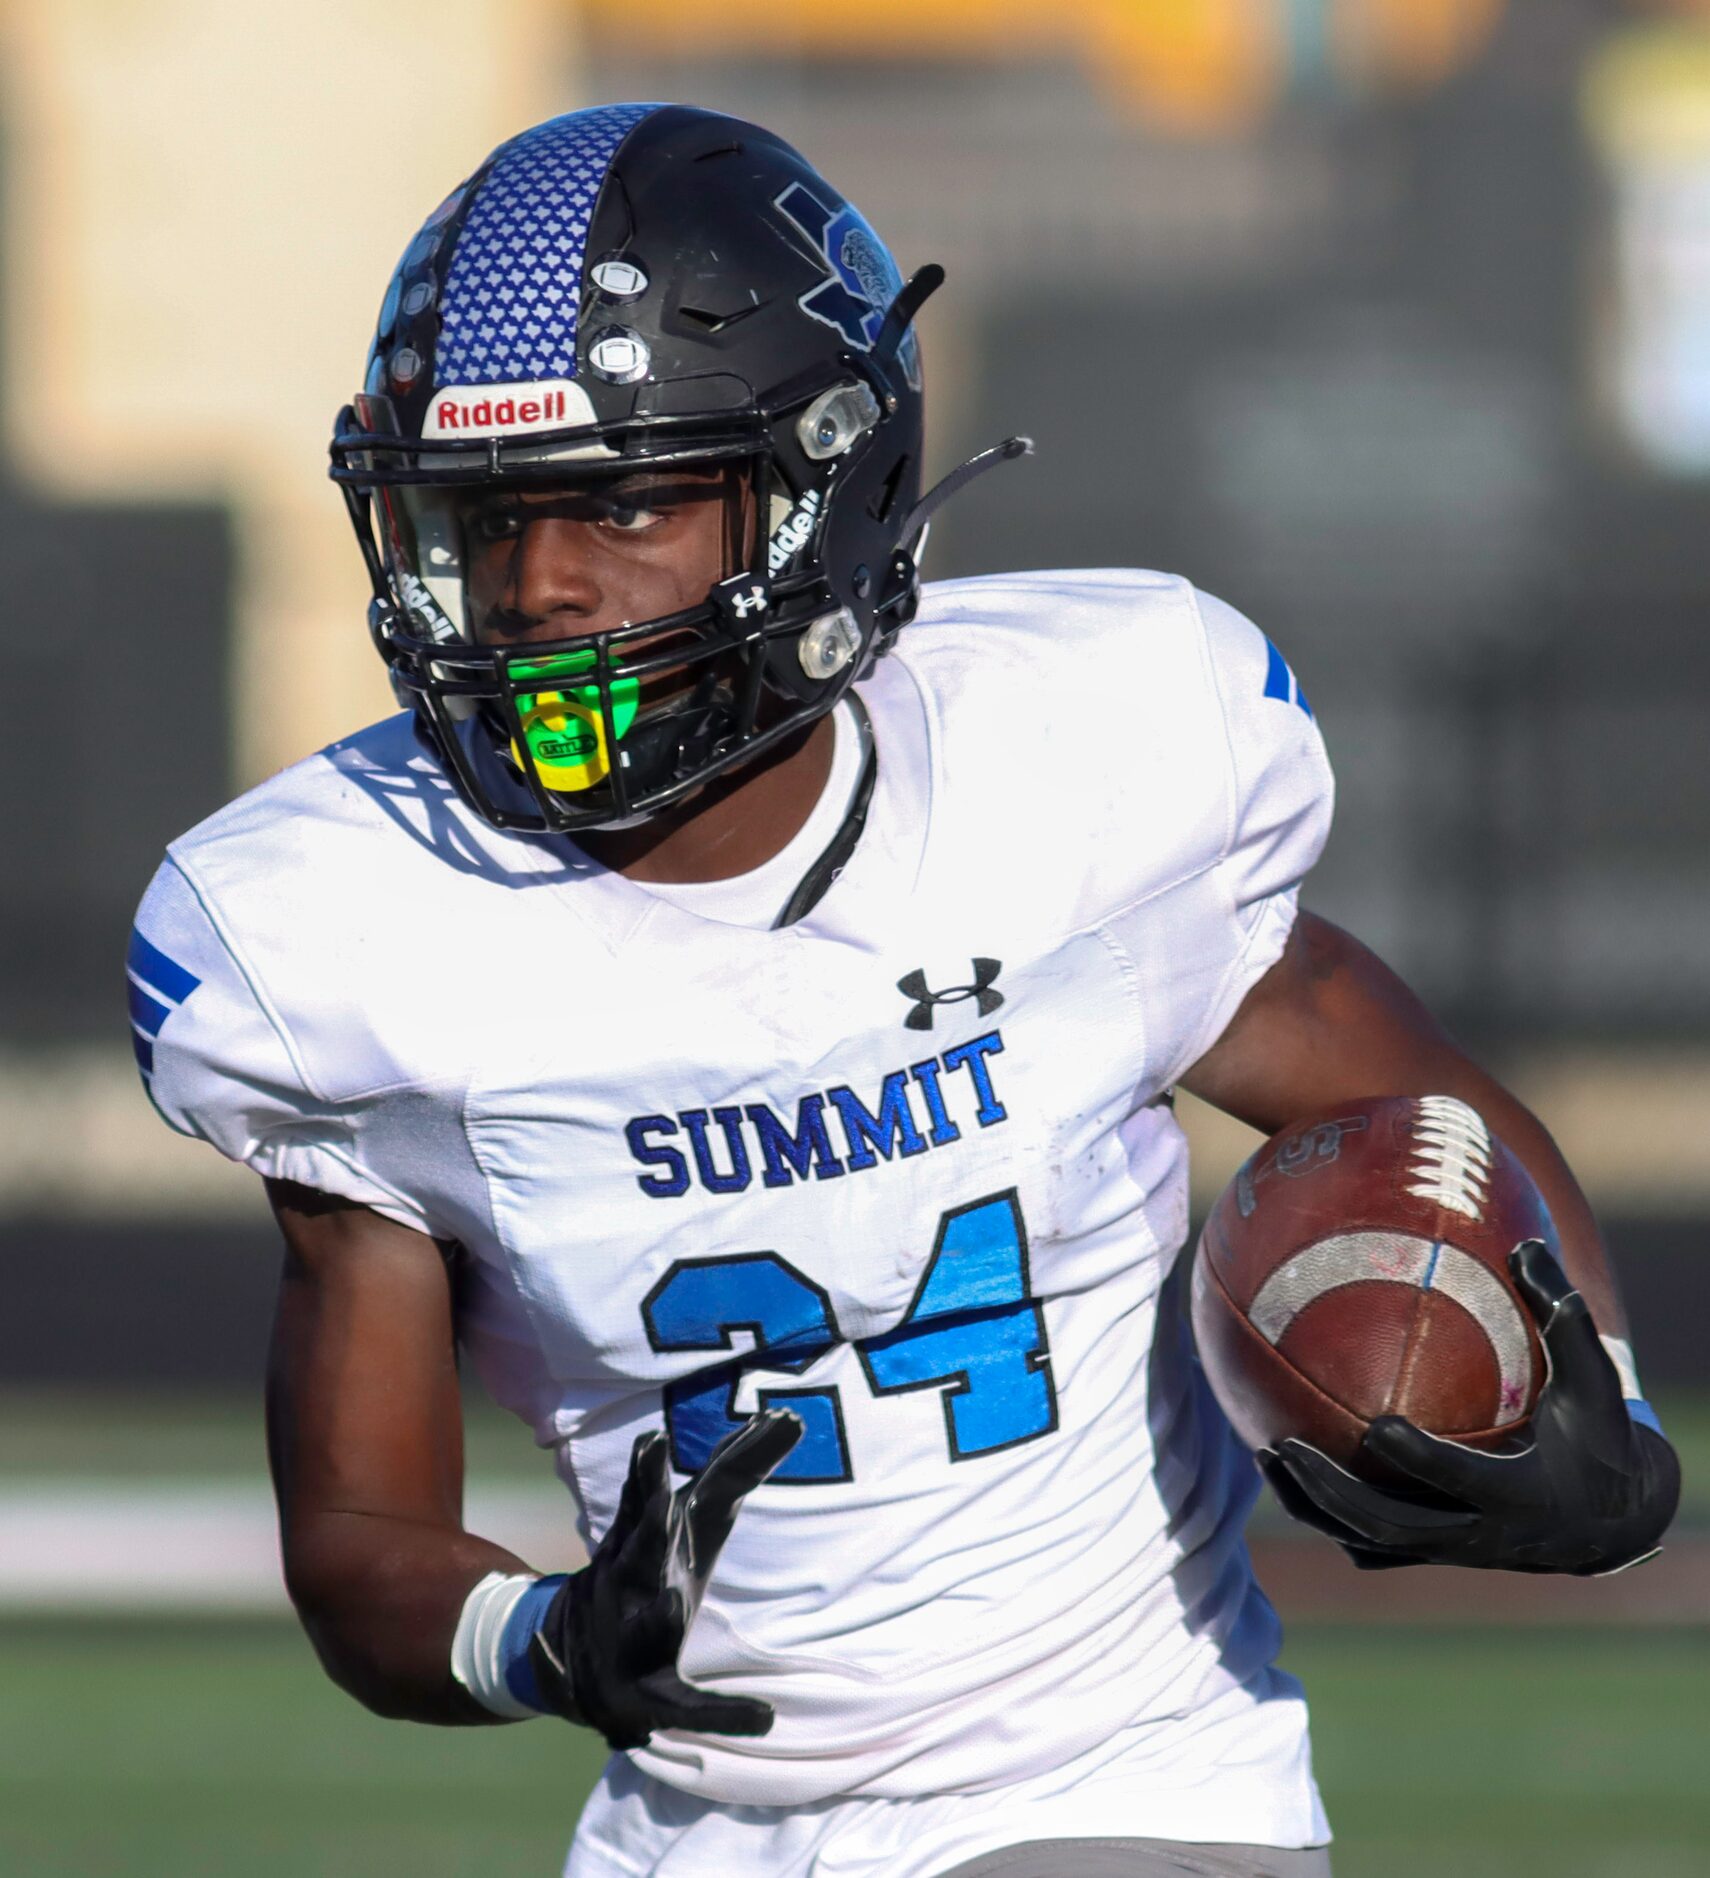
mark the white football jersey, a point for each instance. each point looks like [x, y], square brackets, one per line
[908, 1166]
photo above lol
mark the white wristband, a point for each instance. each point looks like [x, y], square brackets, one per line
[478, 1658]
[1621, 1355]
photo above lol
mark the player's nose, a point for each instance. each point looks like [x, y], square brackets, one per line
[554, 590]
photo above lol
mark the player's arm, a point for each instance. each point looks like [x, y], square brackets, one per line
[1596, 1485]
[410, 1613]
[365, 1438]
[1329, 1023]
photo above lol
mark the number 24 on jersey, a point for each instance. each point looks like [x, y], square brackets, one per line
[972, 1332]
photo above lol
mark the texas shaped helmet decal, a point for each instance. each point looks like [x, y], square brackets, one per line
[863, 279]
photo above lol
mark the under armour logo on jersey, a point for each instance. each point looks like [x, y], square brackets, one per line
[913, 985]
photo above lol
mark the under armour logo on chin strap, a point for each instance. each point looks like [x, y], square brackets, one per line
[913, 985]
[735, 599]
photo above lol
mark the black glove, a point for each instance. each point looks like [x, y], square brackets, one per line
[1590, 1490]
[606, 1650]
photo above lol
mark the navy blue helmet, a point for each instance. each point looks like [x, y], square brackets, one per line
[626, 288]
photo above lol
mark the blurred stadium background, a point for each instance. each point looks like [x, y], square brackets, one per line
[1389, 320]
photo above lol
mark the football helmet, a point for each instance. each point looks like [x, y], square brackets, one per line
[617, 290]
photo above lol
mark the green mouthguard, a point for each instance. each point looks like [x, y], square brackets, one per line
[563, 725]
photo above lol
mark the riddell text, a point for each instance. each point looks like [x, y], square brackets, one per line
[496, 413]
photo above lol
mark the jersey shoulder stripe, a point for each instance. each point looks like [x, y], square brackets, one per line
[155, 987]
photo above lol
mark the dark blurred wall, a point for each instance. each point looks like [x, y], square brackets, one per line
[116, 641]
[175, 1306]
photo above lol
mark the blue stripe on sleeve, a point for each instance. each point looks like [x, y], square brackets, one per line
[146, 1013]
[144, 1052]
[525, 1619]
[1276, 675]
[166, 975]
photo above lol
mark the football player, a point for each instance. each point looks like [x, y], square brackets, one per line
[738, 1002]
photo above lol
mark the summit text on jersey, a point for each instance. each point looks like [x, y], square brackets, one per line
[912, 1113]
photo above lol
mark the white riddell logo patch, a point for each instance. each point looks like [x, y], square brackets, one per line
[507, 410]
[1450, 1162]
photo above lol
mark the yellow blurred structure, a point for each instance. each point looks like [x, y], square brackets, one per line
[1647, 94]
[1647, 108]
[1193, 66]
[202, 205]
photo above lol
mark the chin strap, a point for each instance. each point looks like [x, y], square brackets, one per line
[817, 881]
[920, 516]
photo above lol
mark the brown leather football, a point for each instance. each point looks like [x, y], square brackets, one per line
[1357, 1266]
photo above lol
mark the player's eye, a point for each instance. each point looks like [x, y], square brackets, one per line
[630, 517]
[498, 522]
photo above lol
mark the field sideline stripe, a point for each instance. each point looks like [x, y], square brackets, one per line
[141, 1547]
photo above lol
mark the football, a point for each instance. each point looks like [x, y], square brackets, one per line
[1357, 1266]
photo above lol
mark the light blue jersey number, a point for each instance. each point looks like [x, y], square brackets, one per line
[973, 1331]
[696, 1306]
[974, 1327]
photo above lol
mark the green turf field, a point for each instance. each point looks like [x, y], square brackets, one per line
[200, 1749]
[188, 1748]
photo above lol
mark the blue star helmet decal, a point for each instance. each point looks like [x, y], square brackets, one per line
[862, 280]
[515, 286]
